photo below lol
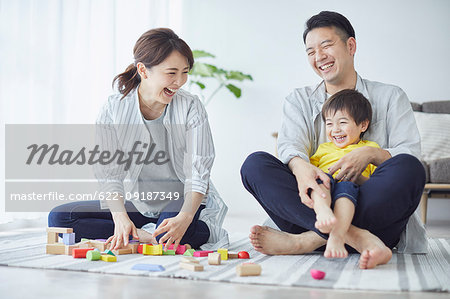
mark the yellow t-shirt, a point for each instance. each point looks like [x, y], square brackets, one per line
[327, 154]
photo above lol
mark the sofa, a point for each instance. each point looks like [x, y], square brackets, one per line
[433, 122]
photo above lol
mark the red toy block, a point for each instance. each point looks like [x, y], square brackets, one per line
[317, 274]
[140, 248]
[180, 249]
[80, 252]
[202, 253]
[243, 255]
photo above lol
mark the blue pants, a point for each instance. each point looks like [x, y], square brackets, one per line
[385, 201]
[340, 189]
[91, 222]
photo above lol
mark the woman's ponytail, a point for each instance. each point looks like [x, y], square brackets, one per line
[127, 81]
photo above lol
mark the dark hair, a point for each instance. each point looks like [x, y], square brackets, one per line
[351, 101]
[152, 48]
[330, 19]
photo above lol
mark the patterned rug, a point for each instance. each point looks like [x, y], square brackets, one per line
[430, 272]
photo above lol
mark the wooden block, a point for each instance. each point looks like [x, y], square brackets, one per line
[243, 255]
[187, 246]
[85, 244]
[224, 253]
[60, 230]
[102, 246]
[108, 258]
[52, 238]
[191, 266]
[133, 247]
[202, 253]
[232, 255]
[140, 248]
[80, 252]
[190, 259]
[58, 248]
[157, 250]
[93, 255]
[189, 252]
[214, 258]
[69, 239]
[147, 249]
[181, 249]
[69, 249]
[122, 251]
[107, 251]
[168, 252]
[248, 269]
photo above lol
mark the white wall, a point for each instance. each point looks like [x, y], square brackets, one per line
[405, 43]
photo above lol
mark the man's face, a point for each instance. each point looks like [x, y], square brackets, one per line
[330, 57]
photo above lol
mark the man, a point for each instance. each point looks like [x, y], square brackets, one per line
[386, 201]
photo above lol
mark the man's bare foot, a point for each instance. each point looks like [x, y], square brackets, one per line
[377, 256]
[145, 237]
[325, 219]
[274, 242]
[335, 247]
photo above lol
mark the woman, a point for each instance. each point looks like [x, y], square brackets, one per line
[168, 126]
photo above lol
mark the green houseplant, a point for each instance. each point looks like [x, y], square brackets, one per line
[224, 78]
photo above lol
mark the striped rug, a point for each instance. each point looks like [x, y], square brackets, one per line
[430, 272]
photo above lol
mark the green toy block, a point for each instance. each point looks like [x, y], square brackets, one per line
[107, 251]
[93, 255]
[168, 252]
[189, 252]
[84, 239]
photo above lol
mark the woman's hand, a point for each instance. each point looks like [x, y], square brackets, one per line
[306, 175]
[123, 228]
[174, 228]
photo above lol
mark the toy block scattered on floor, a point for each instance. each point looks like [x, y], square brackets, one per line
[243, 255]
[224, 253]
[93, 255]
[169, 252]
[190, 259]
[69, 239]
[52, 238]
[232, 255]
[181, 249]
[148, 249]
[248, 269]
[214, 258]
[80, 252]
[69, 249]
[57, 248]
[148, 267]
[122, 251]
[102, 246]
[140, 248]
[108, 258]
[107, 251]
[187, 246]
[60, 230]
[189, 252]
[191, 266]
[202, 253]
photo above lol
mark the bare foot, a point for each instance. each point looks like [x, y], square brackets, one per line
[325, 219]
[274, 242]
[377, 256]
[335, 247]
[145, 237]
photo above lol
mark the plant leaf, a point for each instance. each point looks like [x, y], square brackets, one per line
[201, 53]
[235, 90]
[239, 76]
[200, 84]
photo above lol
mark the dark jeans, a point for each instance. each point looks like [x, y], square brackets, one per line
[91, 222]
[385, 201]
[340, 189]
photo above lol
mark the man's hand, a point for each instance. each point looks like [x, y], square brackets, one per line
[174, 228]
[306, 175]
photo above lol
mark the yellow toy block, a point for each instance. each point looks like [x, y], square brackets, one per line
[223, 253]
[152, 249]
[108, 258]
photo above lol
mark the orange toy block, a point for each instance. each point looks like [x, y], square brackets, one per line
[80, 252]
[248, 269]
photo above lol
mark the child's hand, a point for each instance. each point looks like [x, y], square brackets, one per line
[174, 228]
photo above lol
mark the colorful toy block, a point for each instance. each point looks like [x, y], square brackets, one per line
[190, 259]
[80, 252]
[233, 255]
[187, 246]
[189, 252]
[191, 266]
[93, 255]
[181, 249]
[248, 269]
[57, 248]
[202, 253]
[140, 248]
[108, 258]
[69, 239]
[60, 230]
[243, 255]
[168, 252]
[317, 274]
[148, 249]
[214, 258]
[107, 251]
[148, 267]
[102, 246]
[122, 251]
[224, 253]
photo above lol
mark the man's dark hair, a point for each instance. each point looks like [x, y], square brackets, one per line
[330, 19]
[351, 101]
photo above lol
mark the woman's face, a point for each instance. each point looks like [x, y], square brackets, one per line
[161, 82]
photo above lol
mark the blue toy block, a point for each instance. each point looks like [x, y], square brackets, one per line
[69, 239]
[148, 267]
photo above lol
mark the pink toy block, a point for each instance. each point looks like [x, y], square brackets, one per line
[202, 253]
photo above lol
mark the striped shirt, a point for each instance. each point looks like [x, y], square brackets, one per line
[120, 127]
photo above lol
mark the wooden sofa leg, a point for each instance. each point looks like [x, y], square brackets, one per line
[423, 206]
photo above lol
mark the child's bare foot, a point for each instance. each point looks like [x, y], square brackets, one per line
[335, 247]
[273, 242]
[325, 219]
[376, 256]
[145, 237]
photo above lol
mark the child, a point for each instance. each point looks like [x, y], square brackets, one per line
[347, 115]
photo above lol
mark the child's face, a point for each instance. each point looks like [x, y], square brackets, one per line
[342, 129]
